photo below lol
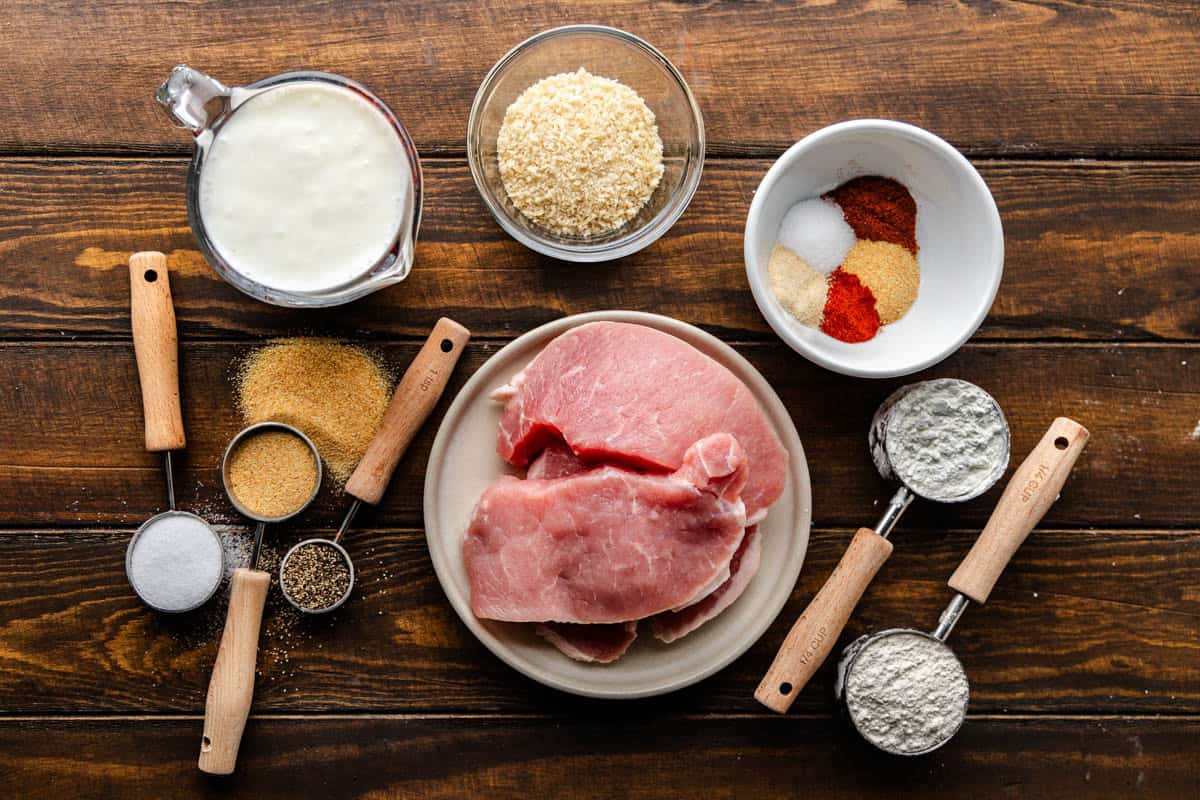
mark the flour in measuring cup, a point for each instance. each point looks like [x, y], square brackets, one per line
[946, 439]
[906, 692]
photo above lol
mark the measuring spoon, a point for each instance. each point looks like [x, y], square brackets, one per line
[814, 634]
[156, 345]
[412, 402]
[231, 686]
[1032, 490]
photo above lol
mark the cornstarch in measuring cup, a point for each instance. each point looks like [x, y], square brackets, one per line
[946, 438]
[175, 563]
[906, 693]
[305, 187]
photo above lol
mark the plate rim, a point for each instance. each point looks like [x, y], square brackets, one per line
[799, 463]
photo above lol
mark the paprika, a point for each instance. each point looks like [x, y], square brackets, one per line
[850, 313]
[879, 209]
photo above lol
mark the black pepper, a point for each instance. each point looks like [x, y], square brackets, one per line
[316, 576]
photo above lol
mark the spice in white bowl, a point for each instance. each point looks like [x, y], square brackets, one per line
[579, 154]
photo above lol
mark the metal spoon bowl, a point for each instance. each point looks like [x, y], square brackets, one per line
[345, 556]
[851, 659]
[147, 525]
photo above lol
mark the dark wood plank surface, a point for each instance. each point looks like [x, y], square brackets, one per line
[1085, 664]
[622, 753]
[1082, 622]
[71, 431]
[1085, 78]
[1093, 251]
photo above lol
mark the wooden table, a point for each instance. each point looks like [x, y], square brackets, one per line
[1085, 665]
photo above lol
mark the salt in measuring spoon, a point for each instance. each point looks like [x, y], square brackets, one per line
[814, 634]
[231, 686]
[412, 402]
[871, 683]
[156, 344]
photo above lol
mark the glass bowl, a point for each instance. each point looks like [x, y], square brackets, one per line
[609, 53]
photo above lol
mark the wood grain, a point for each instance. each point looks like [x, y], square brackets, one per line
[71, 447]
[1093, 251]
[1005, 77]
[596, 756]
[1082, 622]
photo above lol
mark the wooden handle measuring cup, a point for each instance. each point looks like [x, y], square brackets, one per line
[811, 639]
[1031, 491]
[231, 687]
[411, 403]
[157, 347]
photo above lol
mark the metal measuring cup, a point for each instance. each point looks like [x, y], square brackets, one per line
[814, 634]
[412, 402]
[1032, 490]
[231, 687]
[156, 344]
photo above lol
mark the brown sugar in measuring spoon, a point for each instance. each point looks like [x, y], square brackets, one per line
[413, 400]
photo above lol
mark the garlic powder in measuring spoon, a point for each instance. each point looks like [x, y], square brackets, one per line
[305, 187]
[945, 439]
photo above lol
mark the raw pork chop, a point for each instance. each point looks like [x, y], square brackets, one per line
[555, 461]
[599, 644]
[607, 545]
[630, 394]
[672, 625]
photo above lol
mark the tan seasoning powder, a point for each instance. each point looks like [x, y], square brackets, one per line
[800, 289]
[272, 473]
[891, 273]
[579, 154]
[333, 392]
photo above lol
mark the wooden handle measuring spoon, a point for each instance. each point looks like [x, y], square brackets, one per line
[411, 404]
[156, 344]
[231, 687]
[1031, 491]
[811, 639]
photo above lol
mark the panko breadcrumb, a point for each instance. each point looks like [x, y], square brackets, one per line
[579, 154]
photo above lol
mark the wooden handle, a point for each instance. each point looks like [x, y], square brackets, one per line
[1031, 491]
[231, 687]
[157, 348]
[414, 399]
[815, 633]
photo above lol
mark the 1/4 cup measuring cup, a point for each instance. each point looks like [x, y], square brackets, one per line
[205, 106]
[882, 673]
[900, 430]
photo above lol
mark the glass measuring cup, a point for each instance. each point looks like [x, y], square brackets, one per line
[231, 687]
[875, 703]
[202, 105]
[813, 636]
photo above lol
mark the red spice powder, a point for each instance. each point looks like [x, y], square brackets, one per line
[879, 209]
[850, 313]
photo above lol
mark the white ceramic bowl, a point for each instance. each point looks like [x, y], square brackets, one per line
[958, 230]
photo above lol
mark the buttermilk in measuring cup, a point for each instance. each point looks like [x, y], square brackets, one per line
[305, 187]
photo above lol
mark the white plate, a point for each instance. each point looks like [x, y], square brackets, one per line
[463, 463]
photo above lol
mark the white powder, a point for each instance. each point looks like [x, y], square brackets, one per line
[817, 231]
[946, 439]
[906, 693]
[176, 562]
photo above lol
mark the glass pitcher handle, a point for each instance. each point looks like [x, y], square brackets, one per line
[192, 99]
